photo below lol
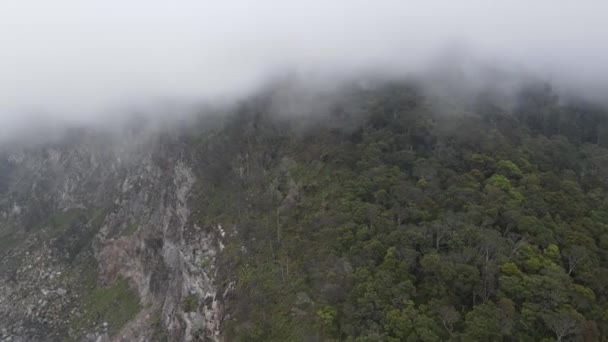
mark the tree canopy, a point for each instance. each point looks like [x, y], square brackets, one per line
[388, 219]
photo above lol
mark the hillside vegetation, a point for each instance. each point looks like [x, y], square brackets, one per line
[391, 217]
[373, 212]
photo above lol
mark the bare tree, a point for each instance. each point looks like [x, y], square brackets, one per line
[448, 316]
[486, 288]
[563, 324]
[574, 256]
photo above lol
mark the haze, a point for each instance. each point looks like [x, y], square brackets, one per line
[71, 62]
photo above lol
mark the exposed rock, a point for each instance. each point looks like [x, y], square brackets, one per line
[89, 211]
[302, 299]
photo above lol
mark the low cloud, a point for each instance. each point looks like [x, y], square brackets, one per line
[72, 62]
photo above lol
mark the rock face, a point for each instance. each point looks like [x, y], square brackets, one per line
[97, 243]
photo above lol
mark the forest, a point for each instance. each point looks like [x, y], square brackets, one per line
[393, 217]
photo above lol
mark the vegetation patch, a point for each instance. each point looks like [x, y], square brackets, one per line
[62, 221]
[8, 241]
[190, 303]
[114, 305]
[131, 229]
[413, 225]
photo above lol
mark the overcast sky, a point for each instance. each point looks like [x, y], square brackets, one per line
[86, 61]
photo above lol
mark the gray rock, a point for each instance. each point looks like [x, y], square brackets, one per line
[103, 338]
[76, 181]
[302, 299]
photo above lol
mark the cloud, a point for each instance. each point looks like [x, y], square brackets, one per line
[70, 61]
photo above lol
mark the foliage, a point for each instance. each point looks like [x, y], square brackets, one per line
[402, 224]
[114, 305]
[190, 303]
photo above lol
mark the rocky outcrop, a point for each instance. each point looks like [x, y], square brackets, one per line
[89, 212]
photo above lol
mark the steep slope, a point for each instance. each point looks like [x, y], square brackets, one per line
[396, 216]
[385, 213]
[94, 242]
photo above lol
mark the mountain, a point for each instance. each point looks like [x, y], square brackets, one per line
[380, 211]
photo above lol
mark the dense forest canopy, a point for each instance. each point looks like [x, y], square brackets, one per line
[387, 219]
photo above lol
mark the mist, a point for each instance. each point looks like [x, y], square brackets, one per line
[94, 62]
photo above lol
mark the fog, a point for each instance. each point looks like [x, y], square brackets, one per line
[67, 62]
